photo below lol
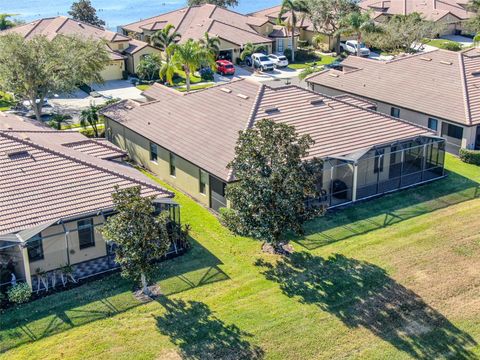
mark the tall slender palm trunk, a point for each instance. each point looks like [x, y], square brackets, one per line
[293, 37]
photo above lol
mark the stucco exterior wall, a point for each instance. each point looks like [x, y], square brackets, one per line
[134, 59]
[453, 145]
[114, 70]
[187, 176]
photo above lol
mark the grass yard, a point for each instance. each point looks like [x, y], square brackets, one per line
[445, 44]
[324, 60]
[393, 278]
[143, 87]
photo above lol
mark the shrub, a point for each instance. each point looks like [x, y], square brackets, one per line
[19, 293]
[452, 46]
[288, 53]
[302, 43]
[91, 134]
[206, 74]
[470, 156]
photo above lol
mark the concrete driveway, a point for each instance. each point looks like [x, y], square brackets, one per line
[463, 40]
[243, 72]
[118, 89]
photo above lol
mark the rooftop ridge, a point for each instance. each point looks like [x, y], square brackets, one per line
[79, 161]
[236, 27]
[156, 16]
[466, 98]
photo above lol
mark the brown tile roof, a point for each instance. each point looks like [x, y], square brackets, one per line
[160, 92]
[43, 181]
[430, 9]
[203, 127]
[272, 15]
[440, 83]
[192, 23]
[354, 100]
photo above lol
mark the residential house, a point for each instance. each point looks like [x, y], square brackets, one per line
[449, 13]
[56, 193]
[188, 139]
[125, 53]
[233, 29]
[438, 89]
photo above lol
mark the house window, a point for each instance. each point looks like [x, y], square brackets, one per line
[395, 112]
[452, 131]
[86, 237]
[120, 46]
[433, 124]
[153, 152]
[203, 182]
[280, 46]
[173, 165]
[378, 166]
[35, 248]
[289, 42]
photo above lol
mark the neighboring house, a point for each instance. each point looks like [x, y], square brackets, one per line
[438, 89]
[449, 13]
[188, 139]
[233, 29]
[125, 53]
[55, 193]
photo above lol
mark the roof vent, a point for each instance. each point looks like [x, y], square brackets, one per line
[272, 110]
[333, 74]
[316, 102]
[425, 58]
[244, 97]
[225, 90]
[19, 154]
[445, 62]
[129, 107]
[475, 73]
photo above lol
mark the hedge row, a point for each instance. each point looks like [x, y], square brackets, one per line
[470, 156]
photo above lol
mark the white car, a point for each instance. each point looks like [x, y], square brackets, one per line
[351, 47]
[278, 60]
[260, 61]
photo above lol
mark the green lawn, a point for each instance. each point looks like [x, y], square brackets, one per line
[393, 278]
[143, 87]
[443, 43]
[324, 60]
[6, 101]
[196, 87]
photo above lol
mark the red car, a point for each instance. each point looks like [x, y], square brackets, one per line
[225, 67]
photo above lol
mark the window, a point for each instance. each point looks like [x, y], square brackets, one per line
[173, 167]
[452, 131]
[86, 238]
[153, 152]
[280, 46]
[120, 46]
[203, 182]
[378, 166]
[35, 248]
[433, 124]
[395, 112]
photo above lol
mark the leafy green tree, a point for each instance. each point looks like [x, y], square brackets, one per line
[273, 182]
[142, 237]
[90, 118]
[211, 43]
[38, 68]
[190, 56]
[82, 10]
[325, 16]
[250, 49]
[149, 67]
[294, 7]
[406, 33]
[165, 38]
[222, 3]
[358, 23]
[5, 22]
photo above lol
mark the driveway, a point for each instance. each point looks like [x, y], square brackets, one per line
[463, 40]
[277, 74]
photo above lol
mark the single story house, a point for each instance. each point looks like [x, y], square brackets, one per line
[438, 89]
[233, 29]
[56, 193]
[188, 139]
[450, 13]
[125, 53]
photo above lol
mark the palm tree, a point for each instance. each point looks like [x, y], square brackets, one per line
[165, 37]
[169, 66]
[5, 23]
[294, 7]
[89, 117]
[190, 56]
[58, 120]
[250, 49]
[358, 23]
[212, 44]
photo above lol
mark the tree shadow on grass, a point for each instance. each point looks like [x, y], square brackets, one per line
[373, 214]
[361, 294]
[199, 334]
[101, 299]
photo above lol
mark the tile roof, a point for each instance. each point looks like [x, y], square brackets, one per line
[203, 127]
[440, 83]
[160, 92]
[430, 9]
[43, 181]
[272, 15]
[192, 23]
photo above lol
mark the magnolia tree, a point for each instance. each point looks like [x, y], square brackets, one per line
[273, 184]
[141, 236]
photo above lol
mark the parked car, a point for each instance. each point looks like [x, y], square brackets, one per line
[278, 60]
[260, 61]
[351, 46]
[336, 65]
[225, 67]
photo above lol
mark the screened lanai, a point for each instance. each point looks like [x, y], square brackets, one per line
[382, 169]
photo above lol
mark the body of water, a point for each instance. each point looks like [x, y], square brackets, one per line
[113, 12]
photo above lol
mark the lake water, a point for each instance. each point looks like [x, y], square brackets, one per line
[113, 12]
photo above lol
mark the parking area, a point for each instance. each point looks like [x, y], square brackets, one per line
[244, 72]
